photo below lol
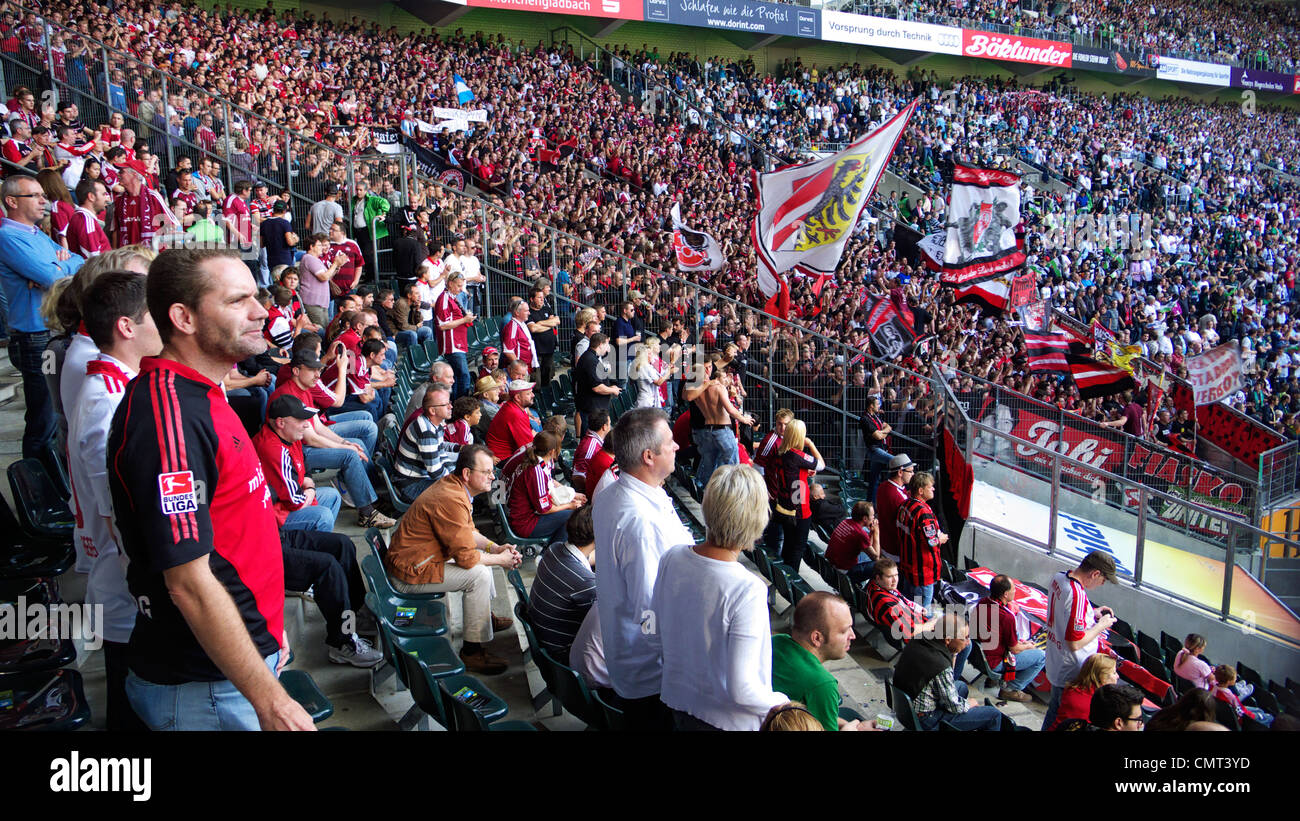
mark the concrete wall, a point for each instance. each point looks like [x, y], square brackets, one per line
[1145, 610]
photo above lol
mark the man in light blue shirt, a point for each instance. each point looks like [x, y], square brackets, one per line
[30, 262]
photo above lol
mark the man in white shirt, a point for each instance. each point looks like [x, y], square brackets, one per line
[1073, 624]
[635, 526]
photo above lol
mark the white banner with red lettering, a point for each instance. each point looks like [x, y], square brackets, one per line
[1215, 374]
[1016, 49]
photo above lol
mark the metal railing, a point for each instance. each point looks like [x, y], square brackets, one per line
[1043, 474]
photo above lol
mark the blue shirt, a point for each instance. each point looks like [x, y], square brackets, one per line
[28, 268]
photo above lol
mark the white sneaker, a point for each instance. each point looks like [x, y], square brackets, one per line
[358, 653]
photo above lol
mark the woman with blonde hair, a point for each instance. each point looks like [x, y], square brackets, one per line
[793, 495]
[791, 716]
[648, 373]
[710, 614]
[1076, 700]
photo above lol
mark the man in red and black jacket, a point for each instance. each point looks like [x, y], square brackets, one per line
[919, 538]
[194, 512]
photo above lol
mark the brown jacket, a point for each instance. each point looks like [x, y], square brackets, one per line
[399, 316]
[437, 528]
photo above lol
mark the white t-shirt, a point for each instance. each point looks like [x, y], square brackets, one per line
[1069, 616]
[711, 624]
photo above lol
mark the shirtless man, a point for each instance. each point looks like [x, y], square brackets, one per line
[717, 439]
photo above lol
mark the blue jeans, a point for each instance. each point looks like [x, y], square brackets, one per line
[548, 524]
[357, 426]
[319, 516]
[1028, 665]
[28, 353]
[373, 409]
[976, 718]
[717, 448]
[1053, 705]
[348, 464]
[195, 705]
[923, 592]
[959, 663]
[461, 368]
[877, 463]
[406, 339]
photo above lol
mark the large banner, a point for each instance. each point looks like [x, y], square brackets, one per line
[1215, 374]
[735, 15]
[1016, 49]
[983, 211]
[616, 9]
[859, 29]
[1115, 62]
[891, 336]
[1191, 71]
[1262, 80]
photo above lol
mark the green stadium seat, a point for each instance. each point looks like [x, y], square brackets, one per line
[302, 688]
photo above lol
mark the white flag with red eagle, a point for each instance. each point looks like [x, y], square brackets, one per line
[983, 213]
[696, 250]
[806, 213]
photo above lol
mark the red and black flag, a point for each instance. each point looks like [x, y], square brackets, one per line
[1096, 379]
[1047, 351]
[891, 335]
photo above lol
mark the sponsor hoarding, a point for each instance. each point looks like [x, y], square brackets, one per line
[617, 9]
[1262, 80]
[838, 27]
[1015, 49]
[736, 15]
[1191, 71]
[1115, 62]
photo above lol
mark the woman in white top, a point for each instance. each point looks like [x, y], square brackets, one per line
[648, 373]
[709, 614]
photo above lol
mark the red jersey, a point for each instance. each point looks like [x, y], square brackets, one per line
[447, 309]
[889, 498]
[459, 433]
[86, 235]
[529, 497]
[236, 210]
[765, 458]
[187, 484]
[137, 219]
[587, 448]
[347, 274]
[285, 471]
[918, 534]
[518, 341]
[509, 430]
[849, 540]
[601, 462]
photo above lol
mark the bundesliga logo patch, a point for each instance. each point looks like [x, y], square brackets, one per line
[176, 492]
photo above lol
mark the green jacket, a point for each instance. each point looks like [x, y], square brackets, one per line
[375, 206]
[797, 673]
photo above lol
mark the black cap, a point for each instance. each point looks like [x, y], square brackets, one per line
[288, 405]
[1101, 560]
[306, 358]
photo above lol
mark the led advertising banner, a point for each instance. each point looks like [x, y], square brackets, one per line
[1115, 62]
[861, 30]
[617, 9]
[736, 15]
[1262, 80]
[1015, 49]
[1190, 71]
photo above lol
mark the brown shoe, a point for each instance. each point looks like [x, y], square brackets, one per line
[483, 662]
[1014, 695]
[500, 623]
[375, 519]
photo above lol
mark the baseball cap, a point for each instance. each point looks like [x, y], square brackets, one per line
[306, 358]
[288, 405]
[484, 385]
[489, 349]
[1101, 560]
[279, 206]
[519, 386]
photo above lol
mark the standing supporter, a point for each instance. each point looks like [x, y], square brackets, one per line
[353, 261]
[208, 641]
[1018, 661]
[919, 540]
[369, 227]
[436, 549]
[793, 496]
[123, 331]
[139, 212]
[716, 438]
[543, 327]
[423, 453]
[239, 221]
[325, 213]
[765, 459]
[876, 431]
[649, 375]
[316, 277]
[453, 331]
[591, 442]
[890, 498]
[299, 504]
[635, 524]
[516, 339]
[709, 615]
[30, 263]
[855, 543]
[925, 673]
[533, 513]
[820, 631]
[1073, 624]
[592, 385]
[278, 237]
[510, 429]
[61, 205]
[564, 589]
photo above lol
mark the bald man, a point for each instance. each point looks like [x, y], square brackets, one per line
[821, 631]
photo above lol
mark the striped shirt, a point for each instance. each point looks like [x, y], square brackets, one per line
[563, 591]
[586, 449]
[423, 452]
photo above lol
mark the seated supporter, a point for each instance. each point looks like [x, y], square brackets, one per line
[491, 360]
[1116, 708]
[821, 631]
[1194, 705]
[1189, 666]
[826, 510]
[790, 717]
[436, 549]
[1020, 662]
[533, 513]
[1224, 678]
[299, 504]
[902, 618]
[1097, 671]
[925, 673]
[423, 454]
[855, 543]
[603, 470]
[365, 394]
[565, 586]
[404, 316]
[327, 564]
[510, 429]
[488, 393]
[466, 413]
[598, 426]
